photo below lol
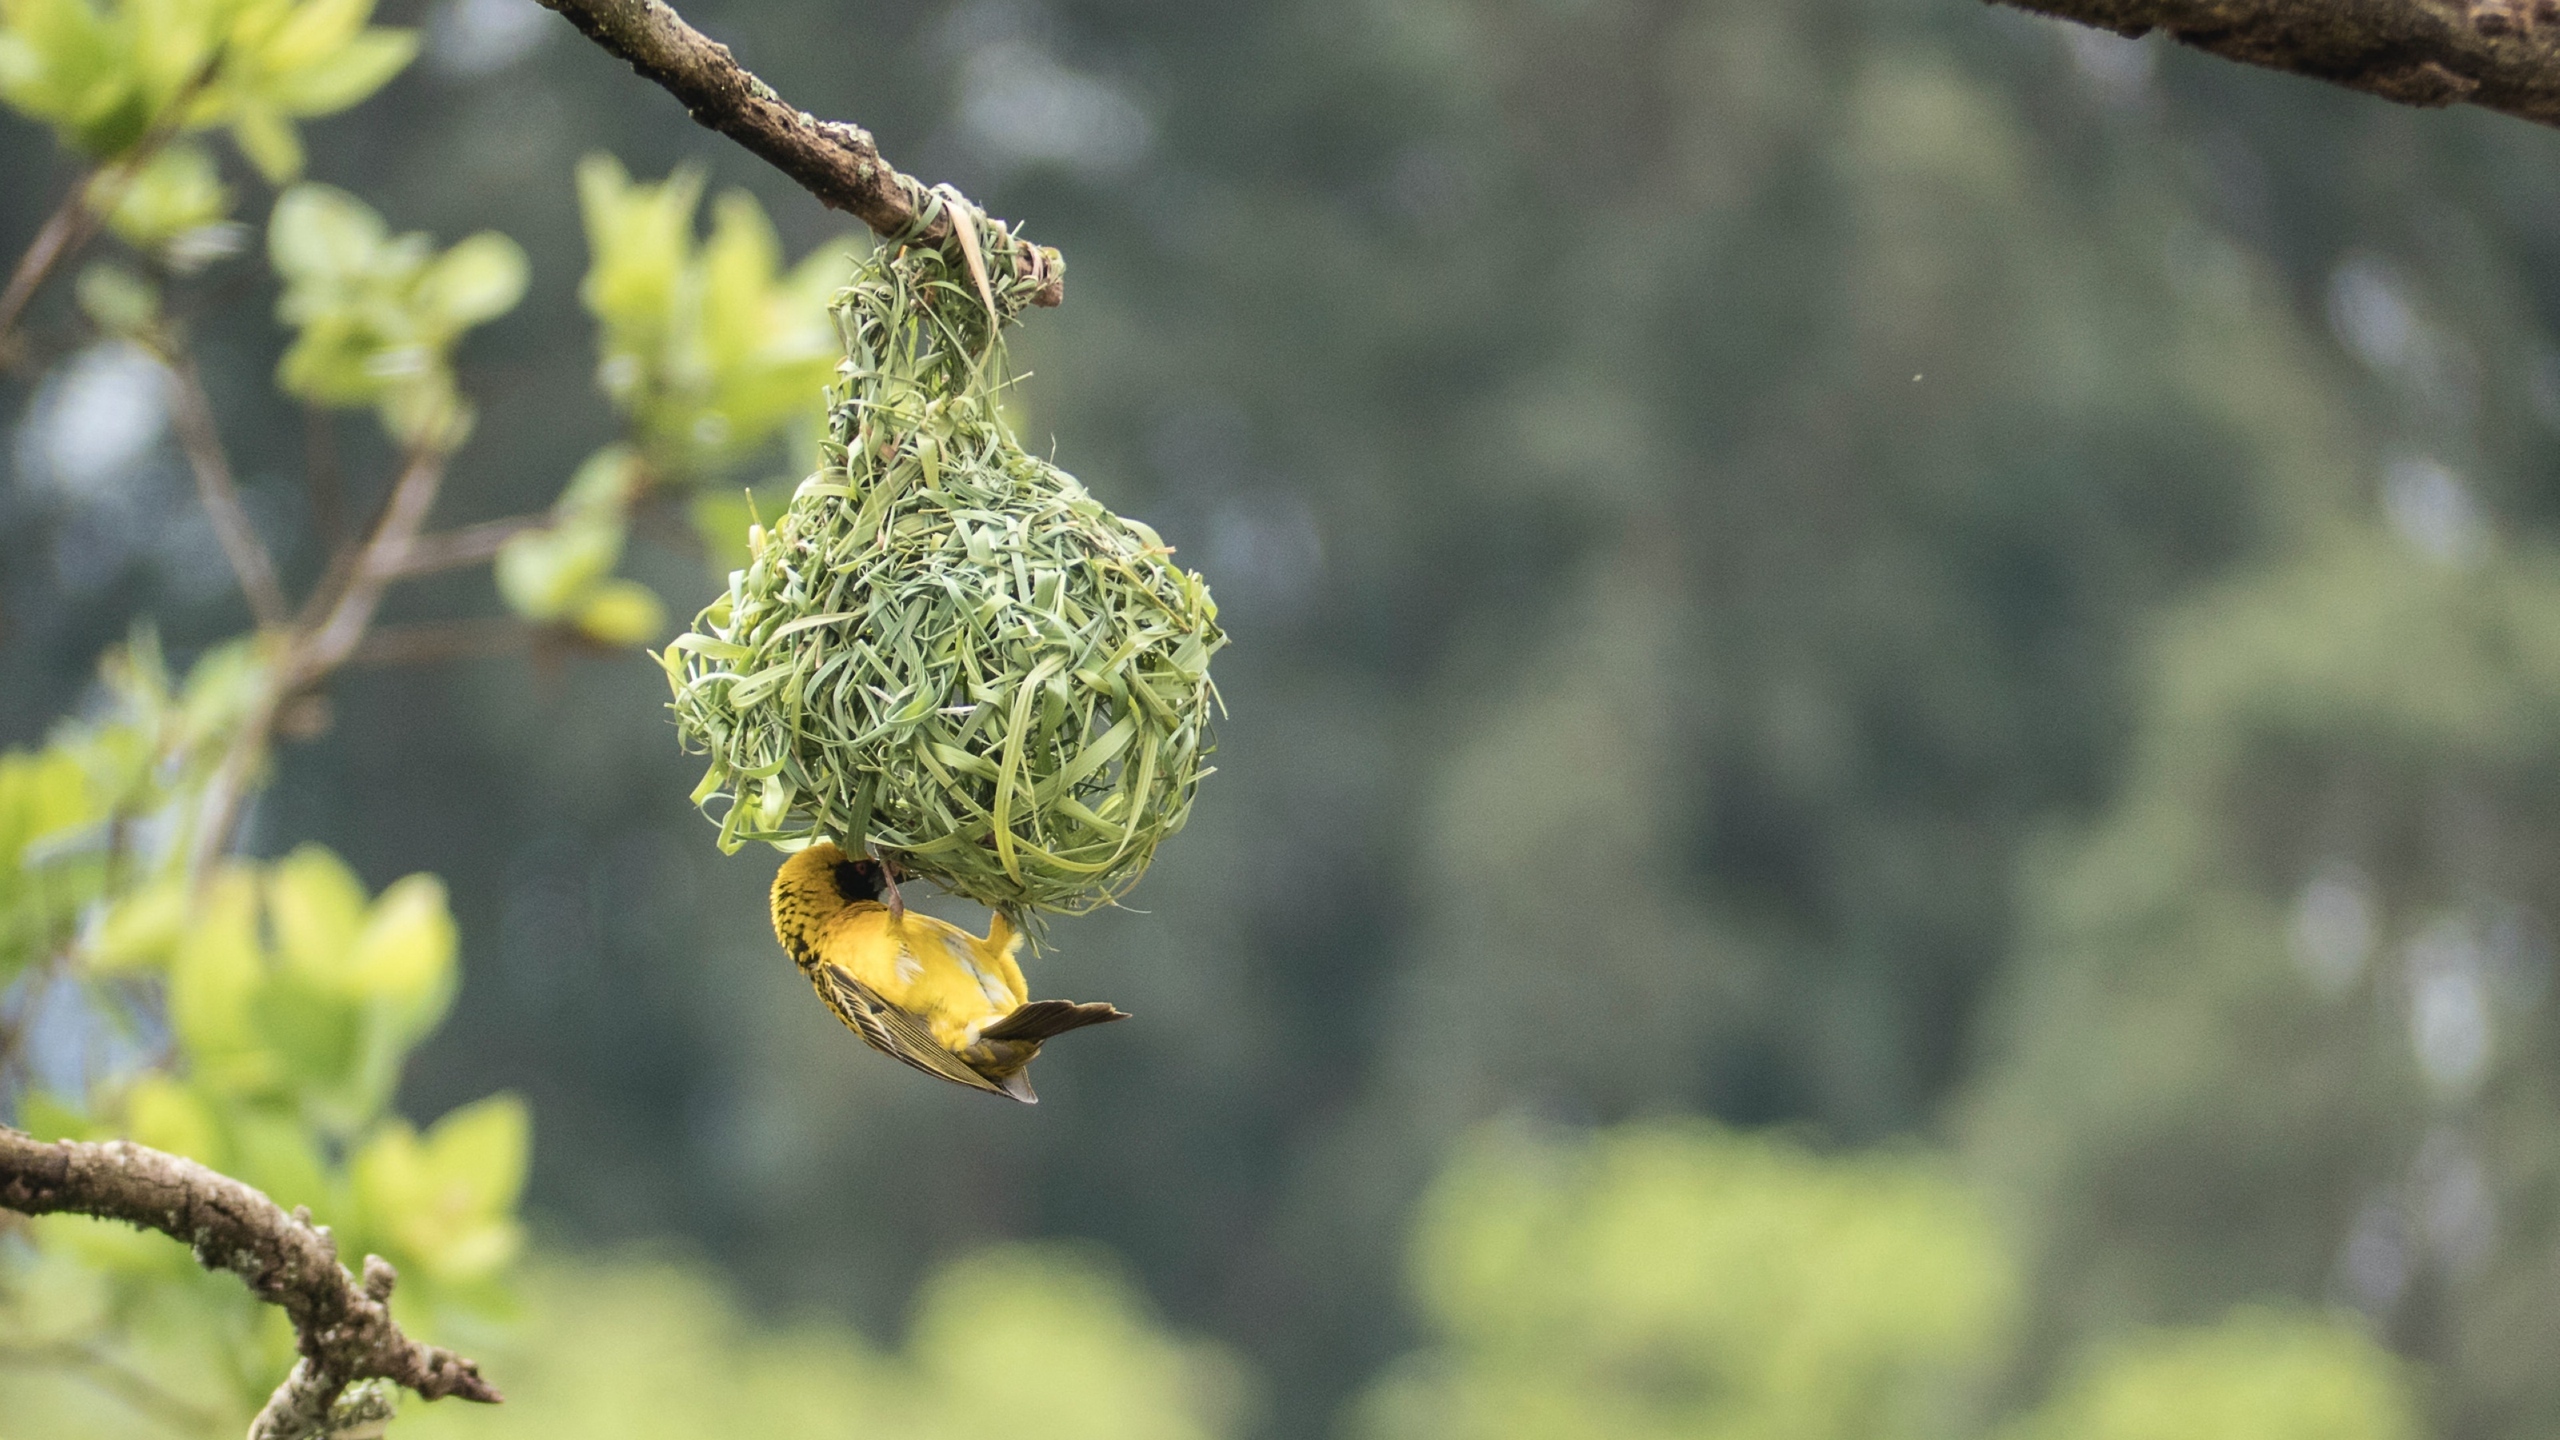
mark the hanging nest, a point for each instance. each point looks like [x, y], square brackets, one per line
[946, 650]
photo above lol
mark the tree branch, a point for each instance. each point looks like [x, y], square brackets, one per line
[191, 415]
[62, 234]
[453, 549]
[321, 476]
[328, 642]
[2501, 55]
[92, 199]
[333, 625]
[344, 1330]
[840, 164]
[435, 640]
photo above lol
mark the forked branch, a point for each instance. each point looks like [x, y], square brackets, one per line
[343, 1328]
[191, 415]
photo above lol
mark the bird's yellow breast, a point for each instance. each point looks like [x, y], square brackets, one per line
[954, 981]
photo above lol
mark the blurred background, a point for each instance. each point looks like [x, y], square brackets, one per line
[1870, 604]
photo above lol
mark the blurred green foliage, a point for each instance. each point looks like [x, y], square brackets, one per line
[70, 813]
[709, 346]
[291, 1000]
[2256, 1376]
[2302, 955]
[1682, 1280]
[563, 571]
[711, 352]
[177, 206]
[1053, 1339]
[376, 315]
[110, 78]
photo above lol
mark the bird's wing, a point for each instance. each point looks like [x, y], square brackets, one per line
[891, 1030]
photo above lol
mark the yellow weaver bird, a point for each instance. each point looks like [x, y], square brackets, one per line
[918, 989]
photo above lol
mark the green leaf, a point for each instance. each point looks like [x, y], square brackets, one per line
[378, 314]
[116, 300]
[316, 907]
[364, 64]
[316, 1030]
[481, 1149]
[165, 1114]
[477, 280]
[622, 612]
[405, 957]
[2262, 1374]
[320, 233]
[107, 75]
[50, 805]
[605, 483]
[267, 138]
[142, 929]
[179, 192]
[543, 574]
[213, 979]
[45, 1116]
[446, 1204]
[279, 1155]
[637, 238]
[709, 350]
[110, 1248]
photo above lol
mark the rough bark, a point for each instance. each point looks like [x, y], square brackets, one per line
[343, 1329]
[2501, 55]
[838, 163]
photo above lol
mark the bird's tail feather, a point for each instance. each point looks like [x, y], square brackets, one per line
[1042, 1019]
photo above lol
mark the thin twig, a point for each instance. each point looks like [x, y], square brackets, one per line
[93, 197]
[436, 640]
[63, 233]
[404, 514]
[333, 624]
[323, 477]
[344, 1330]
[453, 549]
[840, 164]
[191, 414]
[2500, 55]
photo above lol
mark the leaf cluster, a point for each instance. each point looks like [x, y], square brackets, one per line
[96, 811]
[709, 346]
[710, 350]
[109, 77]
[377, 315]
[255, 1019]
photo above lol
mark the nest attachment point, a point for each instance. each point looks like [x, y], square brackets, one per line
[945, 650]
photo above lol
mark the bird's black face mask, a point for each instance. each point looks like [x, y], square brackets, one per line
[858, 880]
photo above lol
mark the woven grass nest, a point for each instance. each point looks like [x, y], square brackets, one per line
[945, 650]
